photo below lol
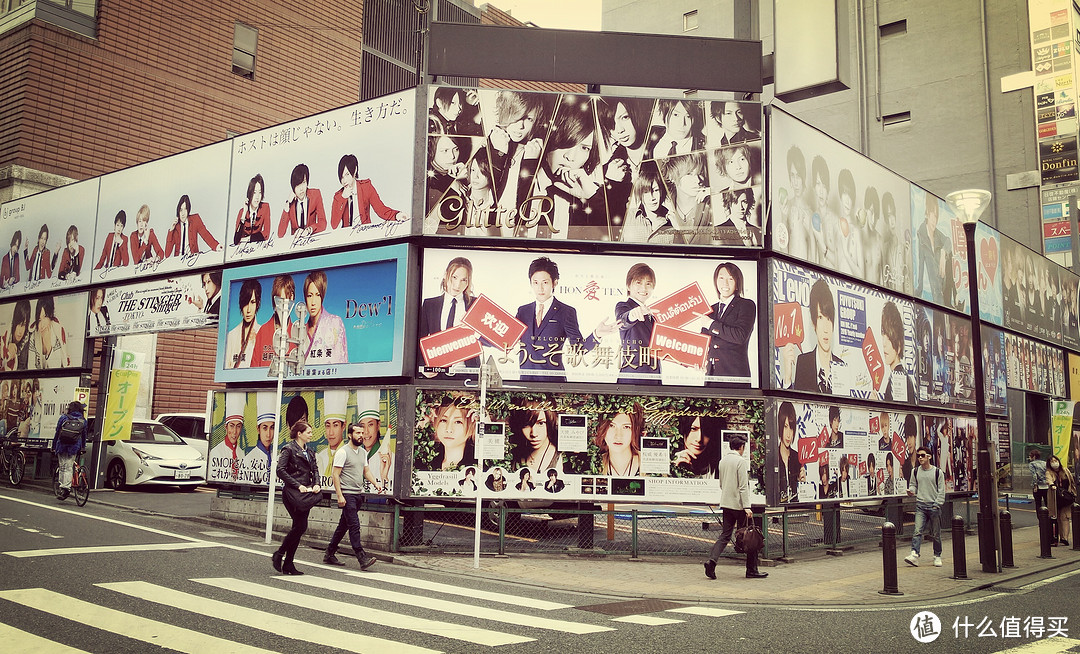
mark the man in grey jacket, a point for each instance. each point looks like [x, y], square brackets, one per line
[927, 484]
[734, 476]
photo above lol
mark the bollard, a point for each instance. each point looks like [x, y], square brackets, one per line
[1005, 520]
[1045, 533]
[888, 559]
[1075, 517]
[959, 548]
[585, 531]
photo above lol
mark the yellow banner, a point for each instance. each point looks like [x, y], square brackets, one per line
[1061, 428]
[120, 405]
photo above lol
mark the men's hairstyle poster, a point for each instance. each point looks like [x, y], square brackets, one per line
[337, 178]
[940, 252]
[167, 304]
[1038, 299]
[994, 369]
[989, 269]
[46, 332]
[517, 164]
[1034, 366]
[31, 406]
[827, 452]
[163, 216]
[835, 208]
[642, 320]
[1070, 302]
[946, 374]
[47, 240]
[345, 310]
[832, 337]
[566, 446]
[244, 431]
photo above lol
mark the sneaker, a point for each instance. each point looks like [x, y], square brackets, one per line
[331, 559]
[912, 559]
[937, 561]
[367, 562]
[65, 493]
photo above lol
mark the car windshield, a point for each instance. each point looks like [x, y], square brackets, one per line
[147, 432]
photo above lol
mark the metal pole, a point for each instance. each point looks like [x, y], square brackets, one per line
[1006, 540]
[959, 549]
[271, 483]
[480, 463]
[888, 559]
[1045, 533]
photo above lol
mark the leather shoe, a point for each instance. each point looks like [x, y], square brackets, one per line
[756, 575]
[276, 559]
[331, 559]
[710, 569]
[290, 569]
[367, 561]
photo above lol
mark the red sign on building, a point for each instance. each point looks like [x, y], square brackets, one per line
[681, 307]
[450, 346]
[500, 328]
[683, 347]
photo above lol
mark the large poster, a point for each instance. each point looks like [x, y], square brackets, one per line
[346, 308]
[988, 256]
[164, 216]
[1032, 289]
[995, 374]
[832, 337]
[580, 167]
[561, 446]
[189, 302]
[1034, 366]
[940, 252]
[336, 178]
[47, 240]
[244, 431]
[31, 406]
[556, 317]
[837, 209]
[43, 333]
[946, 372]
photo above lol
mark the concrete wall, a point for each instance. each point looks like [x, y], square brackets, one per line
[376, 529]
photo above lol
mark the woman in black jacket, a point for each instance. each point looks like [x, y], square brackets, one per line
[296, 467]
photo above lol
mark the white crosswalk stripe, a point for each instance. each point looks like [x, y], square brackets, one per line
[108, 549]
[24, 642]
[421, 584]
[1056, 645]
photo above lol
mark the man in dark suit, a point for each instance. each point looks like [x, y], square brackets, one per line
[732, 321]
[550, 325]
[183, 237]
[447, 310]
[813, 369]
[305, 209]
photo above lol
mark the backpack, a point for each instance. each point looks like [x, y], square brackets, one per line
[71, 431]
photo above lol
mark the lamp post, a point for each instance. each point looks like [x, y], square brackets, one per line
[970, 204]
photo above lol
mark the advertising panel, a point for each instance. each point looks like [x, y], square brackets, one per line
[832, 337]
[336, 178]
[562, 446]
[1033, 366]
[995, 375]
[347, 305]
[511, 164]
[31, 406]
[837, 209]
[988, 256]
[1032, 289]
[945, 371]
[589, 318]
[157, 306]
[244, 431]
[44, 333]
[940, 252]
[1070, 302]
[49, 237]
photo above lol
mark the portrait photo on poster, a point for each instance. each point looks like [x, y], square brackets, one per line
[43, 333]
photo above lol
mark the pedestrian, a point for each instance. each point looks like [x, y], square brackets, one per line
[296, 467]
[1038, 476]
[350, 470]
[1061, 480]
[69, 441]
[927, 484]
[734, 476]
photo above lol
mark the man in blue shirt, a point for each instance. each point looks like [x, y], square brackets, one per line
[68, 443]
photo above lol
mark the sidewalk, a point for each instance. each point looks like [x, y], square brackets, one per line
[855, 578]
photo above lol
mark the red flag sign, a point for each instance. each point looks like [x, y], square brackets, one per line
[787, 324]
[491, 322]
[681, 307]
[808, 450]
[683, 347]
[872, 355]
[450, 346]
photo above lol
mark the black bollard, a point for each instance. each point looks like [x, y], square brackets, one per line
[585, 531]
[888, 559]
[1005, 520]
[959, 549]
[1045, 533]
[1075, 517]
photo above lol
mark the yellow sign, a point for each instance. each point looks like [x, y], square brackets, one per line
[82, 396]
[120, 405]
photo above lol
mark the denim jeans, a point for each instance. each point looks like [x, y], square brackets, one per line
[350, 523]
[927, 516]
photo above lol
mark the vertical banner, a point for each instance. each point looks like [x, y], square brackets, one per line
[1061, 428]
[120, 405]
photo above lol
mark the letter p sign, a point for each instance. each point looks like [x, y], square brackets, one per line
[125, 360]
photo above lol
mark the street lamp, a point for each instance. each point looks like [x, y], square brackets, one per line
[969, 204]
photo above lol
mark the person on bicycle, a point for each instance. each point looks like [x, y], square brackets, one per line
[69, 442]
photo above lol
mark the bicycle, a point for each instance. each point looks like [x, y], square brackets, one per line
[12, 460]
[80, 487]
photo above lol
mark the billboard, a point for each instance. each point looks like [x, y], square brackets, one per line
[335, 178]
[1034, 366]
[515, 164]
[988, 257]
[1033, 298]
[189, 302]
[48, 239]
[244, 431]
[564, 446]
[346, 328]
[995, 374]
[587, 318]
[945, 371]
[940, 252]
[31, 406]
[43, 333]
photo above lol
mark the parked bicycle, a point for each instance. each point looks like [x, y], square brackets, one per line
[80, 487]
[12, 460]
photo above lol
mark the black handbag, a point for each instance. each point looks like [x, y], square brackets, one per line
[748, 539]
[1065, 497]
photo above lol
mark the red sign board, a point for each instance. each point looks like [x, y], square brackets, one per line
[872, 356]
[450, 346]
[898, 448]
[490, 321]
[787, 324]
[808, 448]
[681, 307]
[680, 346]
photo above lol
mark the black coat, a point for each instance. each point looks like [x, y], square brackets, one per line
[296, 469]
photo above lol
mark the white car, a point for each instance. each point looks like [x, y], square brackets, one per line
[191, 427]
[155, 455]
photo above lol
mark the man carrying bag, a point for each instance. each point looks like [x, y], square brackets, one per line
[734, 476]
[69, 441]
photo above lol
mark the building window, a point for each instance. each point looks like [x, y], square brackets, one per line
[689, 21]
[243, 58]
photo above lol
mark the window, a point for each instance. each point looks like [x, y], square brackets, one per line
[689, 21]
[243, 58]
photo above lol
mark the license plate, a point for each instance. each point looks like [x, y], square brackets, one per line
[181, 474]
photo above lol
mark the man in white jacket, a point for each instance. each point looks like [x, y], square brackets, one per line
[734, 476]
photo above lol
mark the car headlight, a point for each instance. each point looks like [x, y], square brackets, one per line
[143, 456]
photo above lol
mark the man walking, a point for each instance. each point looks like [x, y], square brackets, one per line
[350, 470]
[927, 484]
[734, 476]
[70, 439]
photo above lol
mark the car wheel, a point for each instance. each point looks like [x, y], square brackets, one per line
[116, 476]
